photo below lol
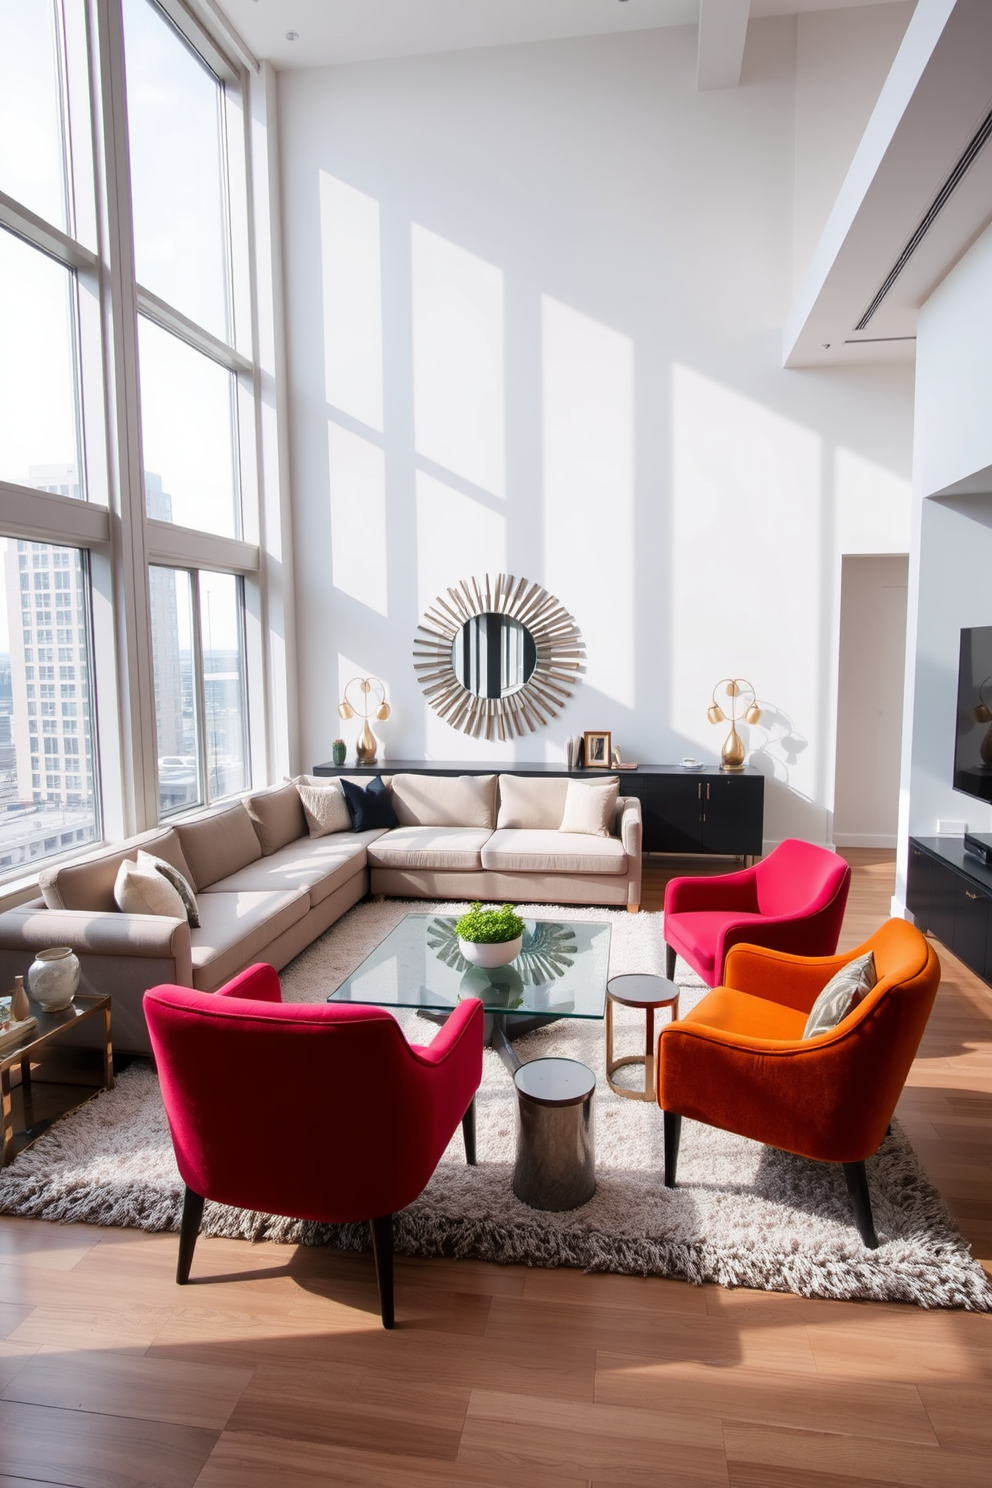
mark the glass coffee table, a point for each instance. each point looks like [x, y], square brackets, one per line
[561, 972]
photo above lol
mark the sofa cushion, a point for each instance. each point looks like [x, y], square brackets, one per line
[219, 844]
[372, 807]
[590, 807]
[530, 801]
[235, 929]
[444, 800]
[88, 883]
[140, 889]
[324, 807]
[429, 847]
[277, 816]
[317, 864]
[546, 851]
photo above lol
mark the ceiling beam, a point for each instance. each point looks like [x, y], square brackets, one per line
[722, 33]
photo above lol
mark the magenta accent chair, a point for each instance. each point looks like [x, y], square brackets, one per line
[320, 1112]
[791, 901]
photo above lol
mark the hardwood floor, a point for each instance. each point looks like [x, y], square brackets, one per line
[272, 1371]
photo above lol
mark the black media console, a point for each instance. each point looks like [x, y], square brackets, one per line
[685, 811]
[949, 892]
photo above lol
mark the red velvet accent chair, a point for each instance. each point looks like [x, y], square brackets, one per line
[738, 1059]
[793, 900]
[361, 1120]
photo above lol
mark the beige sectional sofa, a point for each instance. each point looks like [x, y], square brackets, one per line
[265, 888]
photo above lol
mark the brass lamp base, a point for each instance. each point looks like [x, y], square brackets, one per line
[365, 747]
[732, 754]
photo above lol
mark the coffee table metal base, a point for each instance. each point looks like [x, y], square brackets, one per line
[555, 1167]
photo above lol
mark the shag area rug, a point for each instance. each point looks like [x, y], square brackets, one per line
[742, 1215]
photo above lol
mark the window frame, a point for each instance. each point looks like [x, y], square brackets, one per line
[109, 524]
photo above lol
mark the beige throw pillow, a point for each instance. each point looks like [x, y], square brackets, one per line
[533, 803]
[179, 882]
[590, 808]
[324, 807]
[141, 890]
[845, 989]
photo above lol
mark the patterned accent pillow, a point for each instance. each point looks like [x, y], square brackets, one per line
[845, 989]
[324, 806]
[179, 882]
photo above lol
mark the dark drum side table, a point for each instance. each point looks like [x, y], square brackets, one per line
[556, 1155]
[51, 1027]
[638, 989]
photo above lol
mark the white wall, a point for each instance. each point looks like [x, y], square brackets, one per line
[557, 349]
[949, 586]
[842, 60]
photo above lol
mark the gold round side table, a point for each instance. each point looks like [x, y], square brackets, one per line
[638, 989]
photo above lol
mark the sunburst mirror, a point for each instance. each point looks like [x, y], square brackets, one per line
[496, 656]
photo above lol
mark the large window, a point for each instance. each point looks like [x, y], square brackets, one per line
[48, 798]
[200, 702]
[124, 663]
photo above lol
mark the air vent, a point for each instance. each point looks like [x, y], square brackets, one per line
[968, 156]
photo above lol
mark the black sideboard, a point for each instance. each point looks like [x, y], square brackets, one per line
[685, 811]
[949, 892]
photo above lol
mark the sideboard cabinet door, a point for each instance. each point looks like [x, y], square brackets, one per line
[733, 810]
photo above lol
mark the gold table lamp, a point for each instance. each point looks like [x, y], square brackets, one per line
[737, 689]
[371, 704]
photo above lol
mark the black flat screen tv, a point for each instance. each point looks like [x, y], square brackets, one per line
[973, 725]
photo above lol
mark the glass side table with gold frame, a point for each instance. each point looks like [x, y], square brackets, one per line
[51, 1027]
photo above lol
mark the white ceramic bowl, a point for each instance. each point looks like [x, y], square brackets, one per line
[492, 953]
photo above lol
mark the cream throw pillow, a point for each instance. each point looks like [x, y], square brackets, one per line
[590, 809]
[141, 890]
[324, 807]
[179, 882]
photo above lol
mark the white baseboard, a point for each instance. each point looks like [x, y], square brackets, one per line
[865, 839]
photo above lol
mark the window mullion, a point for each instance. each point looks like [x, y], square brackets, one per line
[199, 687]
[135, 691]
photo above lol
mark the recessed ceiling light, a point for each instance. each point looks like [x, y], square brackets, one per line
[292, 35]
[824, 345]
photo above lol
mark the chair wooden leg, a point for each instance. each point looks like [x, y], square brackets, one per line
[673, 1133]
[857, 1187]
[189, 1229]
[382, 1249]
[670, 962]
[468, 1133]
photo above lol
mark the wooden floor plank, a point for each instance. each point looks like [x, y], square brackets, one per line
[92, 1451]
[851, 1459]
[806, 1402]
[246, 1460]
[124, 1384]
[609, 1442]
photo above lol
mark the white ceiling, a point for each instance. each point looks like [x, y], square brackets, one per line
[336, 31]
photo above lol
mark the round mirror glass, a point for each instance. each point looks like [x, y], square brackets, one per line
[493, 656]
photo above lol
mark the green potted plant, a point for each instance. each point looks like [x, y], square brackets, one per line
[338, 751]
[490, 937]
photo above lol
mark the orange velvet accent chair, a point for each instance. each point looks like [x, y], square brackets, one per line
[738, 1059]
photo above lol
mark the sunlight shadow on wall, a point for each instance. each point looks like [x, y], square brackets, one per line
[352, 292]
[458, 356]
[874, 506]
[588, 407]
[747, 590]
[457, 538]
[357, 484]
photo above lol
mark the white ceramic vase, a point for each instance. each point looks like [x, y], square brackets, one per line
[492, 953]
[53, 977]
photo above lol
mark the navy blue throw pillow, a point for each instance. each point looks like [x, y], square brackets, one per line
[369, 808]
